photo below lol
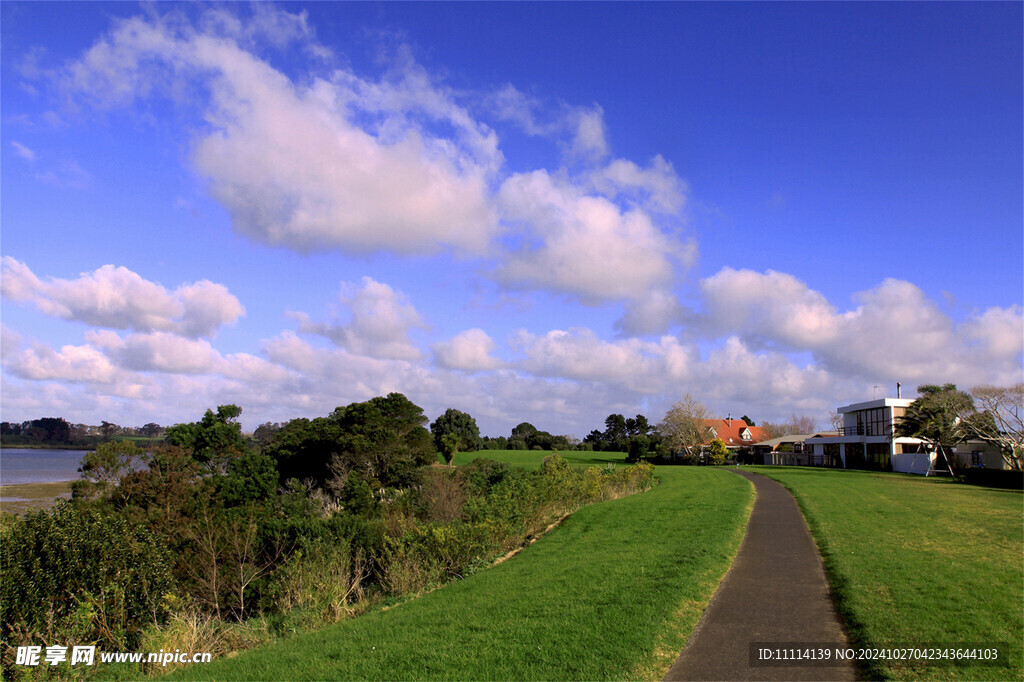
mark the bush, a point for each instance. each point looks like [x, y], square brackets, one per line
[80, 575]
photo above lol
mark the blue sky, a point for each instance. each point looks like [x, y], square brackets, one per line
[530, 212]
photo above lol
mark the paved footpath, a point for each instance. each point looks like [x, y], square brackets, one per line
[775, 591]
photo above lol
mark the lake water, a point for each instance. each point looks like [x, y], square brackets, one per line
[25, 465]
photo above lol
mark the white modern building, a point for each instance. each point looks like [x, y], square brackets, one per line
[866, 440]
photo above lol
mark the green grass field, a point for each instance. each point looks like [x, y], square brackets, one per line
[613, 593]
[919, 560]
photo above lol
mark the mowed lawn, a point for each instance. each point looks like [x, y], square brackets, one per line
[612, 593]
[919, 560]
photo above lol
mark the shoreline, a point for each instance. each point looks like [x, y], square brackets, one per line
[38, 446]
[18, 498]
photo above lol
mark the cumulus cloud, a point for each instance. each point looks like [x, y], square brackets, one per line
[118, 298]
[71, 363]
[399, 162]
[341, 162]
[894, 333]
[469, 350]
[381, 319]
[164, 352]
[656, 188]
[583, 245]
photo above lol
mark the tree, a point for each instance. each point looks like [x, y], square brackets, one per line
[639, 446]
[614, 436]
[449, 447]
[684, 427]
[265, 433]
[383, 437]
[107, 430]
[835, 420]
[214, 440]
[523, 431]
[795, 425]
[717, 452]
[748, 421]
[151, 430]
[461, 426]
[938, 416]
[110, 462]
[638, 426]
[1000, 420]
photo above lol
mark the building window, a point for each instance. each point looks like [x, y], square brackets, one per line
[873, 422]
[977, 458]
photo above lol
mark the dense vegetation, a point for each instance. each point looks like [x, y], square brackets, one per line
[919, 560]
[209, 544]
[613, 594]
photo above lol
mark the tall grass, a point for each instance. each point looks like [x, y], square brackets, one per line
[919, 560]
[611, 594]
[532, 459]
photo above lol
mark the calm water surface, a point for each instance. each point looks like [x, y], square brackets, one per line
[18, 465]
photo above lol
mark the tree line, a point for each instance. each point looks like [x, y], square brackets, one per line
[57, 431]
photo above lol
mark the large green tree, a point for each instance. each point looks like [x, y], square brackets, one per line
[214, 440]
[938, 416]
[460, 425]
[380, 440]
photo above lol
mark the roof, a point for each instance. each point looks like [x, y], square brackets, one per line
[731, 431]
[792, 438]
[881, 402]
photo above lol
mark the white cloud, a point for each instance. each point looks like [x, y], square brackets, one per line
[23, 151]
[589, 141]
[381, 319]
[895, 333]
[656, 188]
[118, 298]
[164, 352]
[71, 363]
[772, 306]
[340, 163]
[580, 355]
[999, 331]
[652, 314]
[583, 245]
[469, 350]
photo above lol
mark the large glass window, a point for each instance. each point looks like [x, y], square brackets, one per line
[872, 422]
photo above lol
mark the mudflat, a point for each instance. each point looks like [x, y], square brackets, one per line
[22, 497]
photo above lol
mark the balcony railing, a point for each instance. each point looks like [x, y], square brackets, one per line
[866, 430]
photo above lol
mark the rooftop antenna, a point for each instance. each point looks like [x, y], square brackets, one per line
[899, 393]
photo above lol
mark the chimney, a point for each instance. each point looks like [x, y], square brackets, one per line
[898, 392]
[730, 420]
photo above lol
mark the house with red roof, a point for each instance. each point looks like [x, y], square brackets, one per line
[734, 432]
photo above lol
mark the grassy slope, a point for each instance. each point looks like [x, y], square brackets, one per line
[611, 594]
[915, 560]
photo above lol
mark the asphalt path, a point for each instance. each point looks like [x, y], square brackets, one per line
[775, 596]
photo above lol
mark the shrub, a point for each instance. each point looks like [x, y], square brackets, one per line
[83, 575]
[322, 579]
